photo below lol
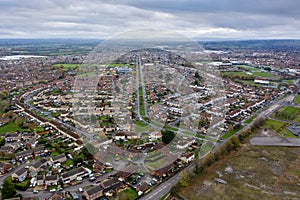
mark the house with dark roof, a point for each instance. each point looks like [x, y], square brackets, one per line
[93, 193]
[12, 137]
[20, 175]
[40, 179]
[142, 188]
[38, 165]
[164, 171]
[7, 149]
[73, 174]
[59, 158]
[38, 150]
[23, 154]
[51, 180]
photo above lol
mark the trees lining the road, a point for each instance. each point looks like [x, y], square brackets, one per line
[8, 189]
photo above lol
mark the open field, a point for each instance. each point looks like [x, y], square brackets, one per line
[279, 128]
[251, 173]
[10, 127]
[297, 99]
[67, 66]
[288, 113]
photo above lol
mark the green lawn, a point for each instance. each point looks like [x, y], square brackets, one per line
[249, 120]
[288, 113]
[67, 65]
[276, 125]
[263, 74]
[247, 67]
[10, 127]
[128, 194]
[230, 133]
[297, 99]
[141, 127]
[273, 124]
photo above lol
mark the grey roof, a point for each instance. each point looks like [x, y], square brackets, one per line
[21, 171]
[39, 163]
[51, 178]
[94, 190]
[73, 172]
[54, 158]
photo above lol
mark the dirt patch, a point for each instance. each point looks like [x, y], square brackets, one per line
[252, 172]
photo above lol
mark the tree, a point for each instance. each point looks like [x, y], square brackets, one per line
[8, 189]
[185, 178]
[2, 141]
[167, 136]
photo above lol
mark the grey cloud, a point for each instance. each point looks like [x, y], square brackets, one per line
[103, 18]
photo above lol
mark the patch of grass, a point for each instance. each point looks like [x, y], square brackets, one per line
[11, 127]
[249, 120]
[297, 99]
[67, 65]
[128, 193]
[263, 74]
[273, 124]
[288, 113]
[231, 133]
[141, 127]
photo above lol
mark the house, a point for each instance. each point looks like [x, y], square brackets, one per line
[20, 175]
[5, 167]
[59, 159]
[51, 180]
[7, 149]
[23, 154]
[38, 151]
[98, 166]
[38, 164]
[93, 193]
[73, 174]
[188, 157]
[111, 185]
[183, 144]
[127, 172]
[27, 135]
[132, 136]
[142, 188]
[40, 179]
[120, 136]
[155, 135]
[164, 171]
[12, 137]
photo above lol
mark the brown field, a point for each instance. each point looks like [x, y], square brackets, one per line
[258, 172]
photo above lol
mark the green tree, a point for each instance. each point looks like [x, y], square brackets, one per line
[2, 141]
[167, 136]
[8, 189]
[185, 178]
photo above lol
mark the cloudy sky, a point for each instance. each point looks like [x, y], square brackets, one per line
[201, 19]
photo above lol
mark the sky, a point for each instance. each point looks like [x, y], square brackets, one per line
[198, 19]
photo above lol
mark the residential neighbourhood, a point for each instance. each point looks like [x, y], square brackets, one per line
[139, 134]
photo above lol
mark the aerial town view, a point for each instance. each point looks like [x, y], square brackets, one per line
[149, 100]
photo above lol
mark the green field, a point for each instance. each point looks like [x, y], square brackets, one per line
[230, 133]
[247, 67]
[141, 127]
[10, 127]
[67, 65]
[128, 194]
[279, 127]
[297, 99]
[263, 74]
[288, 113]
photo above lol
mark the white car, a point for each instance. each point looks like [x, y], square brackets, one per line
[80, 190]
